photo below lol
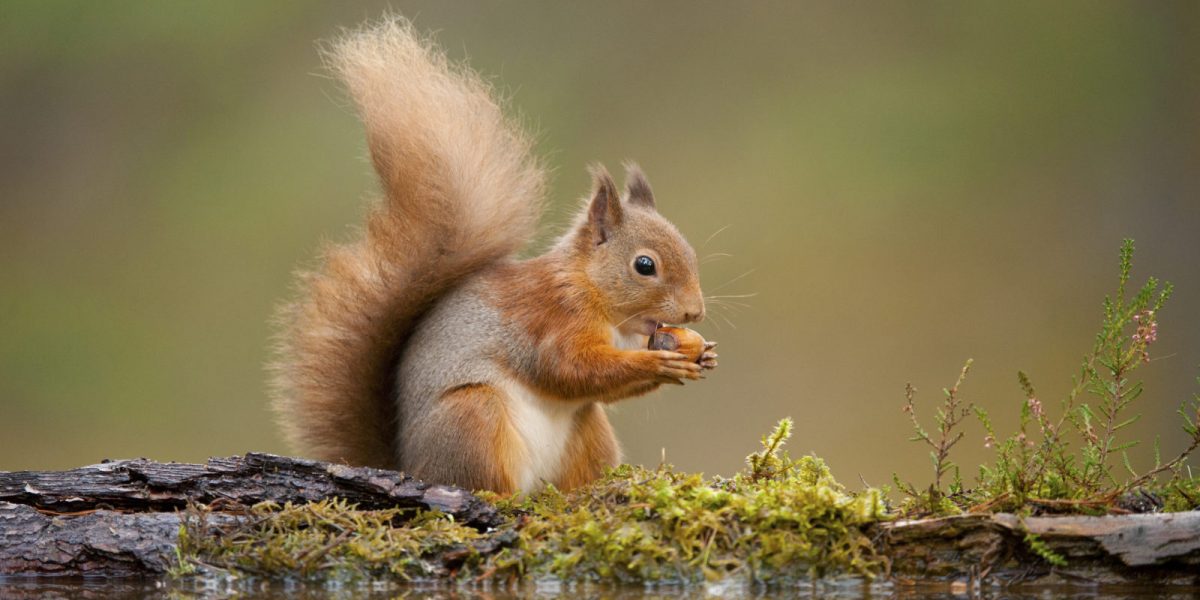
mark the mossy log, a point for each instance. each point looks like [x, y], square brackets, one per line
[123, 518]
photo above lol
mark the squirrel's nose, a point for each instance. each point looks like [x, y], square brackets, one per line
[694, 315]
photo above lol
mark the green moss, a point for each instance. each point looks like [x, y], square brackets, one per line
[779, 521]
[638, 524]
[1040, 548]
[325, 540]
[1181, 495]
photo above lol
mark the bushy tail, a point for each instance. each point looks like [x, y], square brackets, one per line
[461, 191]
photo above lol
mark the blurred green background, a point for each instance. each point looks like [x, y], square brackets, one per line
[902, 185]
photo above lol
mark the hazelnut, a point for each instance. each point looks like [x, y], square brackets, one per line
[679, 339]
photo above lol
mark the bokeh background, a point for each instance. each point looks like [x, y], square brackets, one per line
[900, 186]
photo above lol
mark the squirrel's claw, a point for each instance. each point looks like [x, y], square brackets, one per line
[708, 360]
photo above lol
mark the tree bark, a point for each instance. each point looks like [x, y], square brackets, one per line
[1141, 548]
[144, 485]
[98, 543]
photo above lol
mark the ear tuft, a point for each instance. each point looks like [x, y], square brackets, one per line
[604, 211]
[637, 188]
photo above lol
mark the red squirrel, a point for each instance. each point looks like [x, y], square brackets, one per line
[425, 345]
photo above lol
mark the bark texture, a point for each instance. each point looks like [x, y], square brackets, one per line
[144, 485]
[99, 543]
[1139, 548]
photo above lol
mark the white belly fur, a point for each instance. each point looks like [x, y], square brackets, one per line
[544, 426]
[629, 341]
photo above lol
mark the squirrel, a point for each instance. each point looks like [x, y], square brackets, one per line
[426, 345]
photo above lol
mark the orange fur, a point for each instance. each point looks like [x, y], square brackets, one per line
[461, 191]
[475, 421]
[593, 447]
[558, 301]
[560, 309]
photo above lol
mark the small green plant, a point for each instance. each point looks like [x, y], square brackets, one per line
[1115, 356]
[1039, 547]
[948, 416]
[1045, 474]
[768, 463]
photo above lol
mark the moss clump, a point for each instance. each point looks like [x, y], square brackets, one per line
[781, 520]
[325, 540]
[639, 525]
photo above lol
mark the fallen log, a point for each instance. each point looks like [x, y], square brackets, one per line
[1159, 549]
[96, 543]
[142, 485]
[123, 518]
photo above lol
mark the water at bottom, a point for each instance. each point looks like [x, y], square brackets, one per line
[96, 588]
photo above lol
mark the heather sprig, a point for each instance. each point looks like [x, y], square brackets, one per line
[1035, 468]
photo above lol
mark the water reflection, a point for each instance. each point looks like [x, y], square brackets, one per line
[95, 588]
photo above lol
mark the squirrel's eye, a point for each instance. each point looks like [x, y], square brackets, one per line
[644, 265]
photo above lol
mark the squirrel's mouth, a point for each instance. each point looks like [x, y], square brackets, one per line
[649, 326]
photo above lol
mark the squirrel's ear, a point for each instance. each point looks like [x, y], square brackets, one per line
[637, 189]
[604, 211]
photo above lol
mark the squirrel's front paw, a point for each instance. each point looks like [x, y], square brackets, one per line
[708, 358]
[673, 367]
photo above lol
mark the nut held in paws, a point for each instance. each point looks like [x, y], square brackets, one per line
[678, 339]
